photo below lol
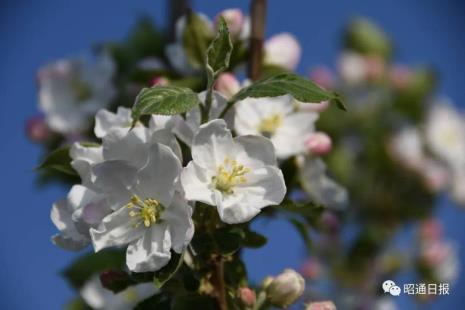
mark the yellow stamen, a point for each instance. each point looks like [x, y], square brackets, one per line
[146, 211]
[269, 124]
[229, 175]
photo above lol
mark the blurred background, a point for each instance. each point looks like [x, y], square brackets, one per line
[34, 33]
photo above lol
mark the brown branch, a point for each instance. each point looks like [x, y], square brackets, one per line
[218, 283]
[258, 18]
[177, 8]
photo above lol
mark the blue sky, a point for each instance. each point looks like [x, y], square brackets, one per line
[33, 33]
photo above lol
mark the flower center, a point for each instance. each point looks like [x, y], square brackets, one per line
[269, 124]
[81, 89]
[146, 211]
[229, 174]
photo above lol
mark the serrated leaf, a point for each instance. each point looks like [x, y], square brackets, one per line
[164, 100]
[219, 51]
[58, 160]
[300, 88]
[196, 37]
[86, 266]
[166, 273]
[228, 240]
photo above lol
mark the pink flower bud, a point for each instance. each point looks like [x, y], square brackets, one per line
[434, 253]
[330, 222]
[318, 143]
[227, 84]
[321, 305]
[311, 269]
[322, 76]
[352, 68]
[37, 129]
[435, 175]
[247, 296]
[430, 229]
[283, 50]
[285, 289]
[159, 80]
[234, 19]
[375, 67]
[400, 77]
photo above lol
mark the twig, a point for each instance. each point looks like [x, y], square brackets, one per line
[177, 8]
[258, 17]
[218, 282]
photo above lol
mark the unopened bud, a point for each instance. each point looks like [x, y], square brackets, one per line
[283, 50]
[321, 305]
[400, 77]
[234, 19]
[285, 289]
[352, 67]
[227, 84]
[159, 80]
[430, 230]
[37, 129]
[322, 76]
[375, 67]
[247, 296]
[318, 143]
[311, 269]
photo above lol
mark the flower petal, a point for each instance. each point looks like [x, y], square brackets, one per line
[116, 229]
[257, 151]
[125, 144]
[115, 179]
[152, 251]
[106, 120]
[212, 144]
[178, 216]
[195, 182]
[157, 179]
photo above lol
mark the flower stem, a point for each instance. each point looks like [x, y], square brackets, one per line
[219, 284]
[258, 17]
[208, 101]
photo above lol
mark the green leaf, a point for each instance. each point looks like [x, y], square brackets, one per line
[300, 88]
[193, 301]
[196, 37]
[253, 239]
[86, 266]
[164, 100]
[219, 51]
[302, 229]
[157, 301]
[77, 304]
[365, 37]
[166, 273]
[59, 160]
[228, 240]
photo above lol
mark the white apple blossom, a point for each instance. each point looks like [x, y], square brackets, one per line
[321, 188]
[75, 214]
[352, 68]
[283, 50]
[72, 91]
[407, 147]
[150, 217]
[237, 175]
[277, 119]
[445, 132]
[98, 297]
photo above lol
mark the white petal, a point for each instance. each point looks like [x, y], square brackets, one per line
[106, 120]
[157, 178]
[152, 251]
[178, 216]
[164, 136]
[256, 151]
[195, 182]
[115, 179]
[212, 144]
[231, 209]
[69, 238]
[125, 144]
[116, 229]
[83, 159]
